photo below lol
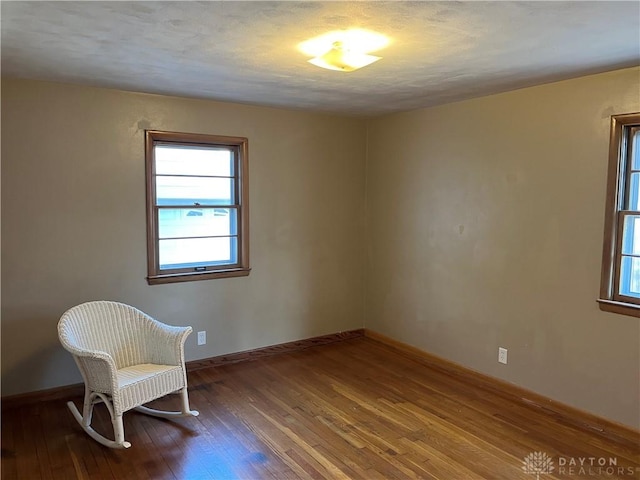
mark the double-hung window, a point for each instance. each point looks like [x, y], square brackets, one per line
[197, 207]
[620, 285]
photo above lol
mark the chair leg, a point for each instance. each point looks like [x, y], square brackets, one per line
[118, 429]
[87, 408]
[90, 399]
[185, 404]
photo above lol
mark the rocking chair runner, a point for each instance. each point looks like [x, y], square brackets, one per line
[126, 359]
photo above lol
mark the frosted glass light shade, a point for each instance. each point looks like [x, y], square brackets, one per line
[343, 60]
[344, 50]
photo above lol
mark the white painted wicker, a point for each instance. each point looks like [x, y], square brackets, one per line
[126, 359]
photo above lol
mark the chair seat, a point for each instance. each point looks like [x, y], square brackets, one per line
[139, 384]
[138, 373]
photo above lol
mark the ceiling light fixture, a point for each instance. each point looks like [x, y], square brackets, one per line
[343, 59]
[344, 50]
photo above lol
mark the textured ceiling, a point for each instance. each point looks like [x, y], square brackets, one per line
[246, 51]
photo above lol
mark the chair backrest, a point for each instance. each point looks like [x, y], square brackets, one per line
[111, 327]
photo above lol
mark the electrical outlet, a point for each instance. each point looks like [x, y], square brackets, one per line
[202, 338]
[502, 355]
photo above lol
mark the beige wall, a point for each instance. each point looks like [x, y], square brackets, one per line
[485, 225]
[73, 223]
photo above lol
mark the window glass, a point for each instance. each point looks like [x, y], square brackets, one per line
[193, 160]
[196, 222]
[197, 252]
[174, 190]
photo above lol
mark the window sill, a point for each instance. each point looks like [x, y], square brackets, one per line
[622, 308]
[195, 276]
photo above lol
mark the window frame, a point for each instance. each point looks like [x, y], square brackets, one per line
[240, 145]
[623, 127]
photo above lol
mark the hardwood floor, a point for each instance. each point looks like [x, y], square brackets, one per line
[350, 410]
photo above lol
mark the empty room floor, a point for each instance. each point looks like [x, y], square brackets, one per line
[355, 409]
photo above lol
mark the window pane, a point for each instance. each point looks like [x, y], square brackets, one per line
[193, 190]
[196, 252]
[189, 160]
[635, 151]
[196, 222]
[630, 276]
[634, 192]
[631, 235]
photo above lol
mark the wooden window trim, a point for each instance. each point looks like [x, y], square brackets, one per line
[609, 299]
[241, 268]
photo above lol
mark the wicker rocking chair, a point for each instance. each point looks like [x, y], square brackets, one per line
[126, 359]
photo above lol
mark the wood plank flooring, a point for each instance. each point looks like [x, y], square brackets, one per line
[356, 409]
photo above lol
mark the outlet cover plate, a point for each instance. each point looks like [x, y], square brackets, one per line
[502, 355]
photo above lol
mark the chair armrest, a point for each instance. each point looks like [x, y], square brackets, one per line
[98, 369]
[167, 343]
